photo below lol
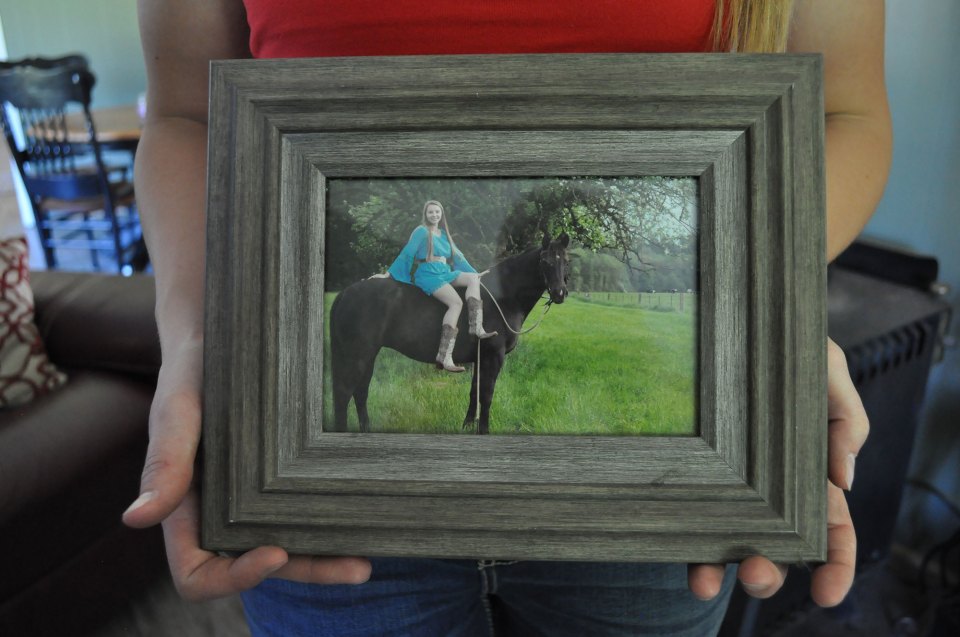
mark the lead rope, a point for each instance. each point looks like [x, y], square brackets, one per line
[521, 333]
[476, 416]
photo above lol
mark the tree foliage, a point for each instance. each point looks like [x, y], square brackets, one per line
[631, 229]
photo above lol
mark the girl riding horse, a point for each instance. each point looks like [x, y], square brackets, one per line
[432, 262]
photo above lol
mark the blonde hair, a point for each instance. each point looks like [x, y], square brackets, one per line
[446, 228]
[754, 26]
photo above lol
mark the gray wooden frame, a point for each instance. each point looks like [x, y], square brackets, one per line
[750, 127]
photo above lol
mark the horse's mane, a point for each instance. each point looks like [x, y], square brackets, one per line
[506, 263]
[502, 274]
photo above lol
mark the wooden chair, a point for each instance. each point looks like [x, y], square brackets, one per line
[77, 202]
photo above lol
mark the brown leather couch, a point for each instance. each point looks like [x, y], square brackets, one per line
[70, 461]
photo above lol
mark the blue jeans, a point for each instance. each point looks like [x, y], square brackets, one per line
[461, 598]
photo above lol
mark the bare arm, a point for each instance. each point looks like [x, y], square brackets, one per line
[849, 34]
[859, 141]
[180, 37]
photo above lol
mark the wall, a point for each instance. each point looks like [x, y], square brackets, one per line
[103, 30]
[920, 211]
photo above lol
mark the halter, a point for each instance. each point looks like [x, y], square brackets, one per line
[546, 283]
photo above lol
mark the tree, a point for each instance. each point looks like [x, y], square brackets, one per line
[645, 223]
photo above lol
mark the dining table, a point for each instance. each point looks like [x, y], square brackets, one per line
[118, 127]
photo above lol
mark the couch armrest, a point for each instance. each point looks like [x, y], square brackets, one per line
[95, 321]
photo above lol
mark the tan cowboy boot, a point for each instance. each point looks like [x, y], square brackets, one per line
[448, 337]
[475, 314]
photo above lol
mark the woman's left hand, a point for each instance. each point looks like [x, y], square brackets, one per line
[832, 581]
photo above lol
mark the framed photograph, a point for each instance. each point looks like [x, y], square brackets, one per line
[517, 307]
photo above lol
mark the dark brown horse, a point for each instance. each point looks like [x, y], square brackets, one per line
[377, 313]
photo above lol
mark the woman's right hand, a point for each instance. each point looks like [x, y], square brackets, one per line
[170, 183]
[169, 495]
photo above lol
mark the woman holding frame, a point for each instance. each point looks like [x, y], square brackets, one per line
[180, 37]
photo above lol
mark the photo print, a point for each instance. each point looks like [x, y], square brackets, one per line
[511, 306]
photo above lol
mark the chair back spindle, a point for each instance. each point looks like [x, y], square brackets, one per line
[69, 186]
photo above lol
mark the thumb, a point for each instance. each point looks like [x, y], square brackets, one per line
[168, 469]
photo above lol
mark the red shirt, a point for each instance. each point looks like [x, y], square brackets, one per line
[311, 28]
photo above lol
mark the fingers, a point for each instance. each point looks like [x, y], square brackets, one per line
[849, 425]
[833, 580]
[200, 575]
[326, 570]
[760, 577]
[705, 580]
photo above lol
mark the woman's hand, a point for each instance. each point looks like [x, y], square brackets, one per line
[385, 275]
[831, 582]
[168, 495]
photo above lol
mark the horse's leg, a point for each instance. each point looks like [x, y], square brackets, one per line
[352, 367]
[490, 366]
[342, 389]
[343, 385]
[360, 395]
[471, 416]
[341, 400]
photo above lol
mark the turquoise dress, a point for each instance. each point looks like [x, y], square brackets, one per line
[432, 276]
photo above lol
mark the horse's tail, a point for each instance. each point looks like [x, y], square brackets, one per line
[333, 309]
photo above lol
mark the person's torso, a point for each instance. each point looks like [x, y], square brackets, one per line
[309, 28]
[441, 247]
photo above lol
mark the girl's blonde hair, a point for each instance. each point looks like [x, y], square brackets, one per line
[446, 228]
[754, 26]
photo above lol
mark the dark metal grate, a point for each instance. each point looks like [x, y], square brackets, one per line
[893, 350]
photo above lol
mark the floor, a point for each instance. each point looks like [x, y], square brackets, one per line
[161, 613]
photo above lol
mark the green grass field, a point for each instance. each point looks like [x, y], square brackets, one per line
[591, 368]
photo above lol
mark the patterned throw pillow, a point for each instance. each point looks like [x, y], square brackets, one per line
[25, 370]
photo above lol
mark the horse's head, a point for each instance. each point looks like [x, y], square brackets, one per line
[555, 266]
